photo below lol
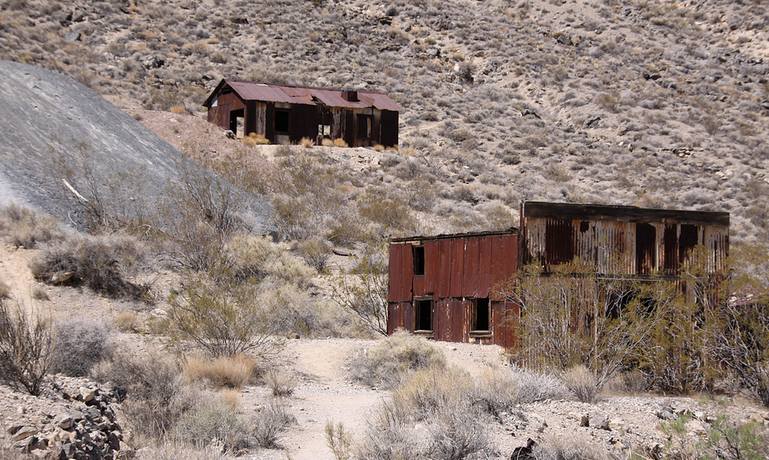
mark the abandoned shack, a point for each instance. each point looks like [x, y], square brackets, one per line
[444, 287]
[286, 114]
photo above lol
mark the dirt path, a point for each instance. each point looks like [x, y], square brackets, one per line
[15, 273]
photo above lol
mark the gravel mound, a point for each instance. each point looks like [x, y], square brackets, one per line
[61, 140]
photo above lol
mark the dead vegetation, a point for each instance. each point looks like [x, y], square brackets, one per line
[27, 346]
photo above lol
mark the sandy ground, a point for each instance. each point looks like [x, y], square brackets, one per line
[325, 393]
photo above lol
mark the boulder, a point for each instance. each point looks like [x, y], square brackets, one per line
[24, 432]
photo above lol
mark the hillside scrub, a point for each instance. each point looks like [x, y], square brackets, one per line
[387, 363]
[363, 292]
[27, 345]
[80, 344]
[100, 263]
[25, 228]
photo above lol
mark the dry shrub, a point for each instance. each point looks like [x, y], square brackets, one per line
[427, 391]
[174, 450]
[100, 263]
[379, 147]
[339, 142]
[389, 361]
[316, 253]
[80, 345]
[570, 448]
[220, 320]
[26, 228]
[306, 142]
[431, 416]
[580, 381]
[177, 109]
[156, 397]
[496, 392]
[225, 371]
[27, 345]
[255, 139]
[127, 321]
[338, 440]
[281, 383]
[5, 291]
[270, 424]
[534, 386]
[364, 291]
[213, 421]
[230, 397]
[326, 142]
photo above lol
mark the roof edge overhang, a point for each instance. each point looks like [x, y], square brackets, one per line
[446, 236]
[631, 213]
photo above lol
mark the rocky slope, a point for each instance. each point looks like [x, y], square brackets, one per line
[66, 150]
[653, 103]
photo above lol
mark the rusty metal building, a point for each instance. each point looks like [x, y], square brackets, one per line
[286, 114]
[621, 240]
[443, 286]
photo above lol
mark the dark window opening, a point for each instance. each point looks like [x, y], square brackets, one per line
[236, 122]
[687, 241]
[617, 301]
[364, 126]
[281, 121]
[418, 254]
[645, 242]
[559, 244]
[670, 239]
[481, 316]
[584, 226]
[423, 310]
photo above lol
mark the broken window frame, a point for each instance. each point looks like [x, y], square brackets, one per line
[476, 305]
[420, 303]
[287, 121]
[418, 258]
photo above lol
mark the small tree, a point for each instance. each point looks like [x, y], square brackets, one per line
[364, 292]
[26, 348]
[221, 320]
[572, 317]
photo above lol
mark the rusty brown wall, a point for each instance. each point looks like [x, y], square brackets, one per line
[620, 247]
[457, 270]
[226, 103]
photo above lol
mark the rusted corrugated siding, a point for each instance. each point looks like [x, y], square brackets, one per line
[639, 242]
[504, 323]
[226, 103]
[457, 270]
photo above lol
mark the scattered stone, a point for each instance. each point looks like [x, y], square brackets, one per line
[24, 432]
[585, 420]
[524, 452]
[72, 37]
[603, 423]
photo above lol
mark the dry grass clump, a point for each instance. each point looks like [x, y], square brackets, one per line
[154, 390]
[339, 142]
[326, 142]
[213, 420]
[389, 361]
[281, 383]
[255, 139]
[572, 447]
[270, 424]
[338, 440]
[580, 381]
[27, 344]
[127, 321]
[430, 416]
[101, 263]
[223, 372]
[40, 294]
[80, 345]
[26, 228]
[533, 386]
[306, 142]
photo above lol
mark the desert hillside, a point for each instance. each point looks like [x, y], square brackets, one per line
[170, 292]
[654, 103]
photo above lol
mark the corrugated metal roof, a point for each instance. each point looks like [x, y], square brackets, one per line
[253, 91]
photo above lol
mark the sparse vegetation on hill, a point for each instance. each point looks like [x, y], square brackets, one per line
[654, 103]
